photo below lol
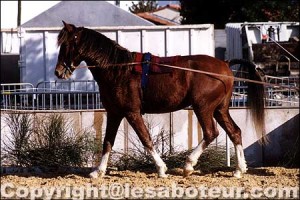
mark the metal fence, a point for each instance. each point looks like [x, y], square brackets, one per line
[282, 96]
[51, 95]
[84, 95]
[16, 95]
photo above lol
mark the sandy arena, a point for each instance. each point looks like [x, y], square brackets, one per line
[266, 179]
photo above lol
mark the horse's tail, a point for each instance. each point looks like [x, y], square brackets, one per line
[256, 96]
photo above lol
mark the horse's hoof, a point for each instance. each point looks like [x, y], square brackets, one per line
[237, 174]
[162, 175]
[162, 172]
[188, 169]
[96, 174]
[244, 169]
[187, 172]
[93, 174]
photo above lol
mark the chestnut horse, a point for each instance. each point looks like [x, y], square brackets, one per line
[124, 96]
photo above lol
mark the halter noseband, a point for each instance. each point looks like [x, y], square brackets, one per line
[69, 68]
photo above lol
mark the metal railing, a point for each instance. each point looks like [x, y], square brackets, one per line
[282, 96]
[16, 95]
[84, 95]
[51, 95]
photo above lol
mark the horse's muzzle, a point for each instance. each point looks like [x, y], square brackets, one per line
[58, 74]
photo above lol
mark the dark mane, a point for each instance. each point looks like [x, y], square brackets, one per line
[62, 37]
[99, 47]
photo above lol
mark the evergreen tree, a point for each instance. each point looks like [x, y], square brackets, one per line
[220, 12]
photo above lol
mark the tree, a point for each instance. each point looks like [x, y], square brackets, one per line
[143, 6]
[268, 10]
[220, 12]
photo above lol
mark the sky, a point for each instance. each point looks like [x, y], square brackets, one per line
[30, 9]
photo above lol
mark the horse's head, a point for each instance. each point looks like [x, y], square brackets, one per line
[68, 57]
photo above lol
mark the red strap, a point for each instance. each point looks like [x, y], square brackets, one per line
[138, 58]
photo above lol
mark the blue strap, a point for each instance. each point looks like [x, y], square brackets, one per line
[145, 69]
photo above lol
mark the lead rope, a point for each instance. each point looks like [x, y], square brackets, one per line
[112, 65]
[202, 72]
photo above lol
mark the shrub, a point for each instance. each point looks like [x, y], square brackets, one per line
[214, 157]
[48, 141]
[19, 143]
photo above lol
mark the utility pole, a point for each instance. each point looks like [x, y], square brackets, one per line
[19, 13]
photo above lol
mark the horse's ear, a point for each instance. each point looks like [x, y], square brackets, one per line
[69, 27]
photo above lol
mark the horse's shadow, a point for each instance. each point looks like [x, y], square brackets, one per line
[150, 173]
[260, 172]
[42, 172]
[225, 172]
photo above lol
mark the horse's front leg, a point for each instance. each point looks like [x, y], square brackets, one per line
[136, 121]
[113, 123]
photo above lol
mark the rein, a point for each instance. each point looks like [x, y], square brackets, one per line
[196, 71]
[112, 65]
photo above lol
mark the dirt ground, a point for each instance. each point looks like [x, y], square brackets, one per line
[266, 178]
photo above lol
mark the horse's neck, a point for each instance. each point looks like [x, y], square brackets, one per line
[108, 72]
[110, 76]
[107, 59]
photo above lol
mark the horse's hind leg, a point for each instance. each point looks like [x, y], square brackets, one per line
[136, 121]
[210, 132]
[113, 123]
[234, 132]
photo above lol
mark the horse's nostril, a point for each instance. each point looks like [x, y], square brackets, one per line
[56, 73]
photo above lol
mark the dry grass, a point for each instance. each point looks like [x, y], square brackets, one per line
[137, 158]
[46, 141]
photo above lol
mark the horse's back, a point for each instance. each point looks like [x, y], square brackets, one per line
[209, 63]
[214, 87]
[218, 70]
[182, 88]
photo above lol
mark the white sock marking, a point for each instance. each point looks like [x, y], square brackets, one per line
[160, 165]
[158, 161]
[241, 162]
[196, 153]
[103, 164]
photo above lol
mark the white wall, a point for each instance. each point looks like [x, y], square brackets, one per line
[39, 50]
[186, 129]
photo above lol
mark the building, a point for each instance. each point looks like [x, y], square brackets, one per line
[166, 15]
[273, 46]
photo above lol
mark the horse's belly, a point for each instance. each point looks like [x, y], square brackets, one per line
[167, 93]
[165, 103]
